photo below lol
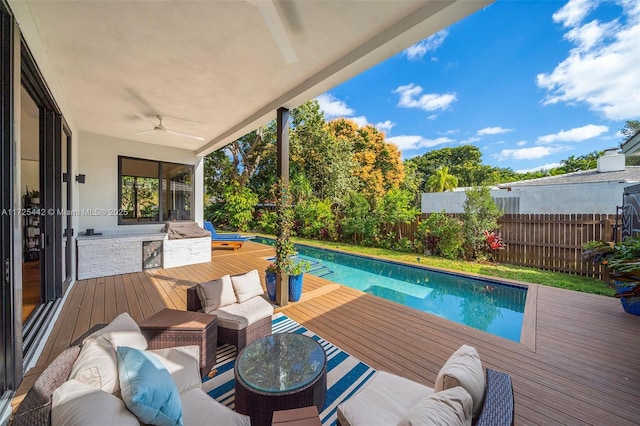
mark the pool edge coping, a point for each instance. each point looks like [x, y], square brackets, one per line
[529, 316]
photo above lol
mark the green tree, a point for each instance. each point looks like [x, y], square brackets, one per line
[316, 153]
[442, 181]
[480, 214]
[235, 209]
[377, 164]
[358, 222]
[631, 127]
[396, 207]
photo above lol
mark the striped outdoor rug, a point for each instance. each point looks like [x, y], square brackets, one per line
[345, 373]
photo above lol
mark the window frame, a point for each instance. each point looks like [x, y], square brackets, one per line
[161, 201]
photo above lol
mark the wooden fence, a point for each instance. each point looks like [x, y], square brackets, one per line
[546, 241]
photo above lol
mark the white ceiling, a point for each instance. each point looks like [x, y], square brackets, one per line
[213, 68]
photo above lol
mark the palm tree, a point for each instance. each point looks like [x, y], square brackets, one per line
[442, 181]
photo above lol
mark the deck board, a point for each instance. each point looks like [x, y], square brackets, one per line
[582, 367]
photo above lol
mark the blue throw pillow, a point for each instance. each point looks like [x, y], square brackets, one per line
[147, 388]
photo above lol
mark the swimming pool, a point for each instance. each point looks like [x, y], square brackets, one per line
[484, 304]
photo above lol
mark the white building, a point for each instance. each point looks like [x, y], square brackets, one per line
[592, 191]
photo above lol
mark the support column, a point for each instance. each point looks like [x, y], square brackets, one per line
[282, 170]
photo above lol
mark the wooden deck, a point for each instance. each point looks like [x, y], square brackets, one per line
[580, 363]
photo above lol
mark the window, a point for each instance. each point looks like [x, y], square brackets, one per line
[154, 191]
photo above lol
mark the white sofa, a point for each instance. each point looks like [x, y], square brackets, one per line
[97, 385]
[462, 395]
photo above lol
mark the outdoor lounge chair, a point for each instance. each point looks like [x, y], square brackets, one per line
[225, 240]
[215, 236]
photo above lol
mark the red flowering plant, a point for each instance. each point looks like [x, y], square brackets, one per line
[494, 243]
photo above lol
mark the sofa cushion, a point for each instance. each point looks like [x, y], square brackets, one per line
[464, 368]
[200, 409]
[247, 286]
[122, 331]
[147, 388]
[240, 315]
[96, 365]
[216, 294]
[383, 401]
[183, 363]
[451, 407]
[79, 404]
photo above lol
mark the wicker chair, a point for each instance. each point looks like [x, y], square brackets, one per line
[238, 338]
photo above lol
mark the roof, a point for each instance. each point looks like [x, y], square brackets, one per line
[214, 69]
[632, 145]
[631, 174]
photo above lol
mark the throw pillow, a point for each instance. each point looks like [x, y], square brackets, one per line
[96, 365]
[463, 368]
[78, 404]
[451, 407]
[216, 294]
[122, 331]
[183, 363]
[147, 388]
[247, 285]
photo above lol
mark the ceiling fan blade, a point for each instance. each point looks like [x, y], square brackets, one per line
[144, 132]
[184, 135]
[278, 32]
[147, 119]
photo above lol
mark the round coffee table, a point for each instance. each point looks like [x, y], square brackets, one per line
[279, 372]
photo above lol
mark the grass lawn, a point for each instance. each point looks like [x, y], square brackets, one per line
[518, 273]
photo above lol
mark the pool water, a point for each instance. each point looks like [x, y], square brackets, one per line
[484, 304]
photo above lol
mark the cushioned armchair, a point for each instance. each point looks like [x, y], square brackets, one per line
[463, 395]
[244, 315]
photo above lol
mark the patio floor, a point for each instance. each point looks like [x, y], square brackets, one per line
[580, 363]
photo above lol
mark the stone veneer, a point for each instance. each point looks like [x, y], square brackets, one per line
[105, 255]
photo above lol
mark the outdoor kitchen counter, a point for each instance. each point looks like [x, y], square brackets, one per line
[103, 255]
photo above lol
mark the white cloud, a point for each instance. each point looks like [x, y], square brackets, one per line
[601, 69]
[430, 44]
[540, 168]
[408, 142]
[578, 134]
[385, 126]
[432, 117]
[574, 12]
[521, 143]
[493, 131]
[529, 153]
[410, 98]
[361, 120]
[333, 107]
[472, 139]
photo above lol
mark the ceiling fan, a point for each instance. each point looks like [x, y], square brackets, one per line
[158, 127]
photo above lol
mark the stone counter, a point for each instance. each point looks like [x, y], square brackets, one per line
[104, 255]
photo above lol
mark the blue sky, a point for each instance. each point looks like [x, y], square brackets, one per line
[528, 82]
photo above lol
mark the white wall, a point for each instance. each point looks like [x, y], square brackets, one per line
[550, 199]
[98, 161]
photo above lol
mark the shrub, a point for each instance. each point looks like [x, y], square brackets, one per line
[315, 219]
[266, 221]
[359, 223]
[480, 214]
[441, 235]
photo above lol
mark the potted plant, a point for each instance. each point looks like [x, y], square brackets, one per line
[33, 196]
[622, 260]
[296, 272]
[284, 247]
[270, 280]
